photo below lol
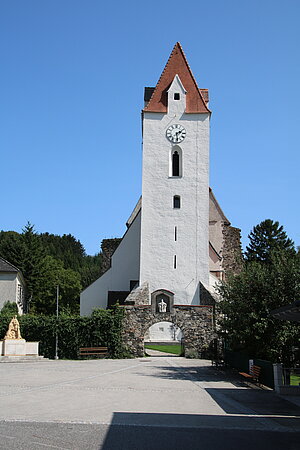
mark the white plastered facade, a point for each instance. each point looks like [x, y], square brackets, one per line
[125, 266]
[172, 249]
[175, 264]
[12, 289]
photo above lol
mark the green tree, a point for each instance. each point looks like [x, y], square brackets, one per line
[32, 264]
[249, 298]
[44, 258]
[71, 252]
[90, 269]
[65, 248]
[9, 308]
[265, 238]
[12, 248]
[54, 274]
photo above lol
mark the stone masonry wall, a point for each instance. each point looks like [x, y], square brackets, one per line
[139, 296]
[195, 322]
[108, 247]
[232, 250]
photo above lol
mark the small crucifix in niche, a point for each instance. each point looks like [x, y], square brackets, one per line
[162, 306]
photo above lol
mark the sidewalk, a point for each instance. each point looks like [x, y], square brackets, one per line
[151, 403]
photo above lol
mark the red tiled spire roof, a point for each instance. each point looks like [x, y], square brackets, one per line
[177, 64]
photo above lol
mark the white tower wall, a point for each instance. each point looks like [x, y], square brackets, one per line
[159, 218]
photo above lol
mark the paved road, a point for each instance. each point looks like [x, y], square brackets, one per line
[148, 403]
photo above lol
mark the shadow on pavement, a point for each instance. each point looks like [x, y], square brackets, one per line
[183, 432]
[202, 373]
[145, 431]
[241, 401]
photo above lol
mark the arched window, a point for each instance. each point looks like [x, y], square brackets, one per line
[176, 162]
[176, 201]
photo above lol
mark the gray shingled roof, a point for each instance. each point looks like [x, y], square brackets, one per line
[5, 266]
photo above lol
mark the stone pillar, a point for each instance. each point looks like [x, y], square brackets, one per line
[277, 371]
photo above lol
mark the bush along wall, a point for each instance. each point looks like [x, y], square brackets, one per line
[102, 328]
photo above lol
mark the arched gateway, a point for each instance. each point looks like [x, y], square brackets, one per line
[195, 322]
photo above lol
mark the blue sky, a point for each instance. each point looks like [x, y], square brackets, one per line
[72, 78]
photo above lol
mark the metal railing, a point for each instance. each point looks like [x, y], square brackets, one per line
[291, 376]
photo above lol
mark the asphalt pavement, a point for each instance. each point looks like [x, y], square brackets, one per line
[147, 403]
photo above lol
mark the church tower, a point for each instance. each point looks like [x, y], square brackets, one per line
[174, 248]
[178, 243]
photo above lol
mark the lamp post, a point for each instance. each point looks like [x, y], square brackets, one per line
[56, 336]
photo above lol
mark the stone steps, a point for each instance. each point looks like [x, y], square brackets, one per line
[22, 359]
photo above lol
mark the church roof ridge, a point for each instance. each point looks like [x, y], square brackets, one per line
[190, 70]
[215, 201]
[158, 103]
[162, 74]
[217, 253]
[134, 213]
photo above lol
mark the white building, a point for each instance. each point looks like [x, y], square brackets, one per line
[175, 239]
[12, 285]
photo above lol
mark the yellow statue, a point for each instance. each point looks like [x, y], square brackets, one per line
[13, 331]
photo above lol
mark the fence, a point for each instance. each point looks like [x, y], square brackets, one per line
[287, 380]
[240, 362]
[237, 360]
[291, 376]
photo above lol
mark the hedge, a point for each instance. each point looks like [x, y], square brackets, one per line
[102, 328]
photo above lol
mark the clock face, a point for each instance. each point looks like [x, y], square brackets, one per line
[176, 133]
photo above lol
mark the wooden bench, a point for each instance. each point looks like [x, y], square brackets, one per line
[254, 373]
[93, 351]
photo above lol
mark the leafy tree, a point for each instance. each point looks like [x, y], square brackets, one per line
[54, 274]
[71, 252]
[265, 238]
[9, 308]
[247, 300]
[47, 260]
[65, 248]
[91, 269]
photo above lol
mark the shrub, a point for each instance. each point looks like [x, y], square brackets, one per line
[102, 328]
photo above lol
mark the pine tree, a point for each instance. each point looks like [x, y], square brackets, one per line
[266, 238]
[47, 260]
[33, 261]
[12, 248]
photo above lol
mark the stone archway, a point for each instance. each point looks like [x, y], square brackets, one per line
[196, 323]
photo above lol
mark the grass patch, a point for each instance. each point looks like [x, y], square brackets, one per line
[295, 380]
[174, 348]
